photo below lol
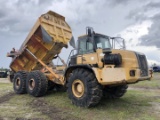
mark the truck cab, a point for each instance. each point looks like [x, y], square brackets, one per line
[110, 65]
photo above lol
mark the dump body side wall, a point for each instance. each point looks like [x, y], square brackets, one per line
[46, 39]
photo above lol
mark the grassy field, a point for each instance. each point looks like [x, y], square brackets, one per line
[141, 102]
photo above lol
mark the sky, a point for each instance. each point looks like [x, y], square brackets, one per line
[137, 22]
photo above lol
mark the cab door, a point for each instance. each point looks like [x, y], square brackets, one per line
[86, 53]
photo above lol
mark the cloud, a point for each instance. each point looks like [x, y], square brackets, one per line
[152, 5]
[133, 33]
[119, 2]
[149, 11]
[18, 16]
[153, 36]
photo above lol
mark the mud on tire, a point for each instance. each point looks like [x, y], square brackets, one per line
[83, 88]
[114, 92]
[36, 83]
[19, 82]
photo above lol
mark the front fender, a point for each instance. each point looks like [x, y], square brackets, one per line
[69, 69]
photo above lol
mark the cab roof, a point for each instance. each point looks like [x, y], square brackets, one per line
[95, 34]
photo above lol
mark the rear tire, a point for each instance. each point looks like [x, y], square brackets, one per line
[114, 92]
[51, 85]
[19, 82]
[36, 83]
[11, 78]
[83, 88]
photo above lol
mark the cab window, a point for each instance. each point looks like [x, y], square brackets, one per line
[102, 42]
[85, 46]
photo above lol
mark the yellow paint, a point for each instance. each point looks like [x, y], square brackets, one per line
[56, 26]
[110, 74]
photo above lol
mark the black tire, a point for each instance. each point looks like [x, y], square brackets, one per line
[51, 85]
[19, 82]
[36, 83]
[11, 78]
[92, 90]
[60, 88]
[114, 92]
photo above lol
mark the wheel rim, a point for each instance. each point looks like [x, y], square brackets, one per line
[18, 82]
[31, 84]
[78, 88]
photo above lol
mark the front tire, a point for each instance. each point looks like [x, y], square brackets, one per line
[83, 88]
[114, 92]
[19, 82]
[36, 83]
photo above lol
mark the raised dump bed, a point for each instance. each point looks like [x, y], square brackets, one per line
[46, 39]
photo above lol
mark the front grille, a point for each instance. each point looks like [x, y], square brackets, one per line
[142, 61]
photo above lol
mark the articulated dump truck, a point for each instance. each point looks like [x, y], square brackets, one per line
[93, 71]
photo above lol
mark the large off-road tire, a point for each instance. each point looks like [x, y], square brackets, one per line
[114, 92]
[19, 82]
[83, 88]
[11, 78]
[36, 83]
[51, 85]
[60, 88]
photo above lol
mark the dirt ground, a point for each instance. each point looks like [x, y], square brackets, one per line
[25, 107]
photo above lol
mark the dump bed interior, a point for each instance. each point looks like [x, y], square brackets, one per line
[46, 39]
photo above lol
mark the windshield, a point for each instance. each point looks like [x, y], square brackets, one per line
[102, 42]
[87, 46]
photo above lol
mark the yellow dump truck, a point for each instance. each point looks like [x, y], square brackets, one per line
[93, 71]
